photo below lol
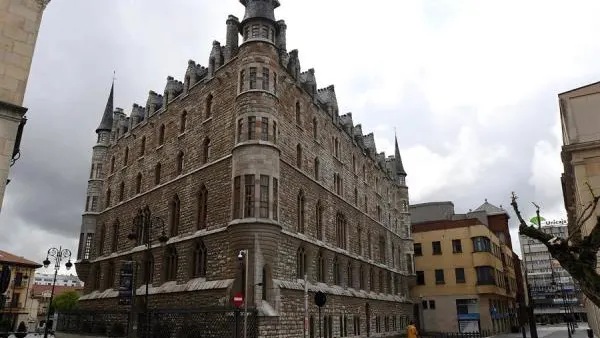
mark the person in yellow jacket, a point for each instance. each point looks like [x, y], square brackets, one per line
[411, 330]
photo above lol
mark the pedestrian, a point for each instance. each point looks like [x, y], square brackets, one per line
[411, 330]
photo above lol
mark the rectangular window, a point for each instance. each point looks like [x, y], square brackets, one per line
[264, 196]
[432, 304]
[460, 275]
[94, 203]
[265, 79]
[437, 247]
[252, 77]
[274, 132]
[456, 246]
[485, 275]
[418, 249]
[255, 30]
[251, 128]
[275, 199]
[420, 278]
[249, 196]
[236, 197]
[264, 129]
[481, 244]
[87, 203]
[439, 276]
[98, 170]
[424, 303]
[88, 246]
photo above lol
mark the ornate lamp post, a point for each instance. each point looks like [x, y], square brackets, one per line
[57, 256]
[143, 225]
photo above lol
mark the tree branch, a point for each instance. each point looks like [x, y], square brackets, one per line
[578, 260]
[587, 212]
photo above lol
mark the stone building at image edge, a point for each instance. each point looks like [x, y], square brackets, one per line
[247, 154]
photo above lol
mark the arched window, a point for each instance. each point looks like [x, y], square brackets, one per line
[266, 282]
[171, 263]
[101, 240]
[115, 237]
[161, 135]
[183, 122]
[361, 278]
[143, 146]
[138, 183]
[126, 157]
[180, 163]
[209, 106]
[320, 267]
[340, 230]
[157, 170]
[336, 271]
[317, 168]
[301, 263]
[108, 198]
[315, 128]
[319, 220]
[297, 112]
[300, 212]
[350, 275]
[121, 191]
[299, 156]
[148, 269]
[200, 260]
[202, 207]
[206, 151]
[174, 215]
[109, 280]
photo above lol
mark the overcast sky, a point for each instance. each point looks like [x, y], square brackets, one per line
[470, 86]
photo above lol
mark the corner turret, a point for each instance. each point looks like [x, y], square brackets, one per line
[107, 118]
[399, 171]
[259, 9]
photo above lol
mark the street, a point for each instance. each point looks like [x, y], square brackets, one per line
[551, 331]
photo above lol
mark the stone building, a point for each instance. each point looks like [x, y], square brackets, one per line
[19, 24]
[580, 151]
[248, 154]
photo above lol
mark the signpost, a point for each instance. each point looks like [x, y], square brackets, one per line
[238, 299]
[320, 300]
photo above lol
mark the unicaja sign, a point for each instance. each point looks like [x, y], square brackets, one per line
[554, 222]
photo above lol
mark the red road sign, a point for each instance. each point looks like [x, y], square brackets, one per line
[238, 299]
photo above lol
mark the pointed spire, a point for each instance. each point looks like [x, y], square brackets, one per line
[107, 117]
[398, 166]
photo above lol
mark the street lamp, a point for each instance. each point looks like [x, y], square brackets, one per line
[57, 256]
[244, 255]
[145, 224]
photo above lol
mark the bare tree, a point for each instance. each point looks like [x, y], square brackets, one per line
[578, 256]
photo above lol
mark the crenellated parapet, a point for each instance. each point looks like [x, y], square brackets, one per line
[154, 103]
[293, 65]
[216, 59]
[172, 89]
[328, 100]
[138, 114]
[308, 81]
[369, 142]
[194, 74]
[347, 124]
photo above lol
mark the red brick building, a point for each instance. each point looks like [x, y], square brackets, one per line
[247, 154]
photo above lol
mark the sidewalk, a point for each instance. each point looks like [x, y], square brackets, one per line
[551, 332]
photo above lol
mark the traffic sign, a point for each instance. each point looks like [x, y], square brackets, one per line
[238, 299]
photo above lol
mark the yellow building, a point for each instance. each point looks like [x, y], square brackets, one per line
[19, 24]
[16, 304]
[466, 279]
[581, 159]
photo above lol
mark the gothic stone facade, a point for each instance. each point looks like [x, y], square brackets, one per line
[247, 153]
